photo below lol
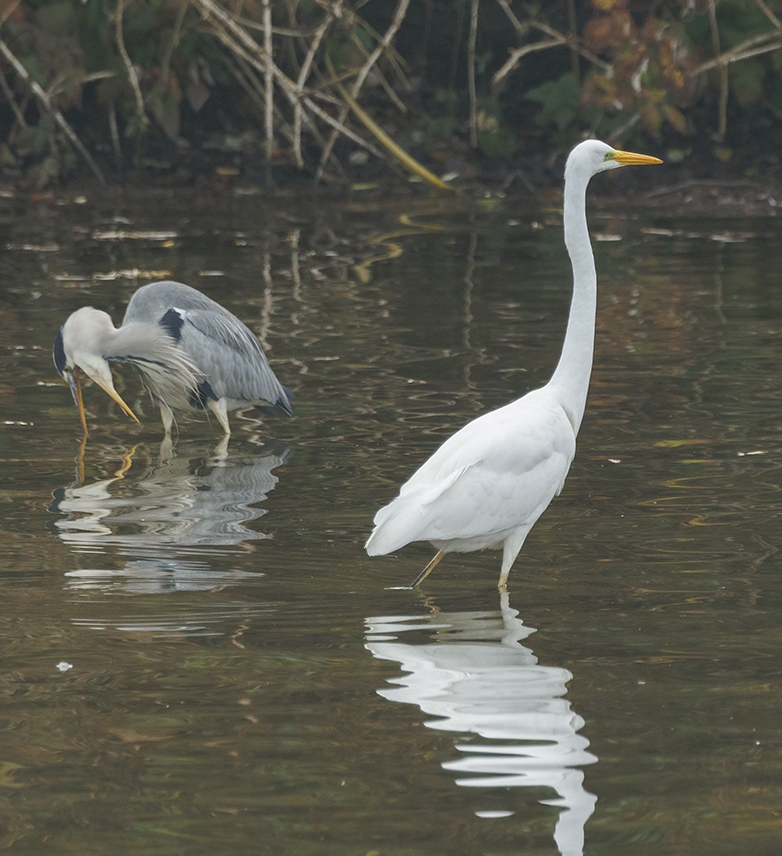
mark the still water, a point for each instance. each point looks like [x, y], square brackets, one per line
[199, 658]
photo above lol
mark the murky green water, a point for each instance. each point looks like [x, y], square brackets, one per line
[199, 658]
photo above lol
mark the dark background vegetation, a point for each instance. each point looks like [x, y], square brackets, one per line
[273, 90]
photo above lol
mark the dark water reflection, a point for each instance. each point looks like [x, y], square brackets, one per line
[197, 655]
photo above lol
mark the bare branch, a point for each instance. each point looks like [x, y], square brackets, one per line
[769, 14]
[383, 45]
[471, 42]
[268, 85]
[47, 105]
[518, 53]
[9, 95]
[132, 76]
[556, 39]
[748, 48]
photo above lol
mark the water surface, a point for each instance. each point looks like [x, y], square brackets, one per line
[198, 656]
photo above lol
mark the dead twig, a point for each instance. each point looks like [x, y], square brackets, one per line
[556, 39]
[769, 14]
[304, 73]
[269, 86]
[364, 71]
[131, 71]
[720, 184]
[382, 46]
[517, 53]
[382, 80]
[10, 98]
[471, 43]
[753, 46]
[746, 49]
[241, 44]
[51, 110]
[396, 150]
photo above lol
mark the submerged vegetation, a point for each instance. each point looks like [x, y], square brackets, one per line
[332, 88]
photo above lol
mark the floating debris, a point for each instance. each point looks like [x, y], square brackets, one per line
[134, 273]
[125, 235]
[35, 248]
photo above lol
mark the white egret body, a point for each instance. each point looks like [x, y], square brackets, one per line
[192, 354]
[487, 485]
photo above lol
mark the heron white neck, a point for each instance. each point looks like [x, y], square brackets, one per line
[570, 380]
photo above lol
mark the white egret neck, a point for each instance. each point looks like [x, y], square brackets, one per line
[570, 381]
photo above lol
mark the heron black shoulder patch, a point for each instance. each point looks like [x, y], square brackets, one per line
[172, 322]
[58, 353]
[201, 394]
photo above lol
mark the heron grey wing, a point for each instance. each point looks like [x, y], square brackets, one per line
[226, 351]
[151, 302]
[230, 356]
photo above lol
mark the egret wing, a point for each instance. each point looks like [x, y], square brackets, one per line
[496, 474]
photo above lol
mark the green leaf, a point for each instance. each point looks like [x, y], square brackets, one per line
[558, 100]
[165, 108]
[746, 81]
[497, 143]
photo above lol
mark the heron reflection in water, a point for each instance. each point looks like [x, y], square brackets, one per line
[479, 679]
[171, 522]
[193, 355]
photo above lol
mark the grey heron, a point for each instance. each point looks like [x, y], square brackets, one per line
[487, 485]
[192, 353]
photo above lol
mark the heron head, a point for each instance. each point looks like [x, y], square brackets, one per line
[79, 348]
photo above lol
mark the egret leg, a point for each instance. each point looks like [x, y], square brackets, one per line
[427, 570]
[510, 550]
[220, 410]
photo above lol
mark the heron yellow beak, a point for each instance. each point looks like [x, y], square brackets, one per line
[631, 158]
[112, 393]
[74, 381]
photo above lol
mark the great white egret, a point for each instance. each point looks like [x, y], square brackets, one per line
[487, 485]
[192, 354]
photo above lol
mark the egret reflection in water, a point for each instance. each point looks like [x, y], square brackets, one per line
[476, 675]
[170, 521]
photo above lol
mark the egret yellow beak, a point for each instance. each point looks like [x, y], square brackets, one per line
[631, 158]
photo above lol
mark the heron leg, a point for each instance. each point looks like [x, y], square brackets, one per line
[167, 415]
[220, 410]
[76, 390]
[220, 452]
[427, 570]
